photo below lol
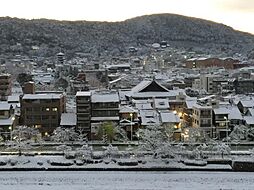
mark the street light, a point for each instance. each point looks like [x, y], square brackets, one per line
[131, 115]
[10, 129]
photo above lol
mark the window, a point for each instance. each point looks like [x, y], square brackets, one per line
[47, 109]
[54, 109]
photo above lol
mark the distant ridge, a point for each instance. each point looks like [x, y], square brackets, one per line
[42, 37]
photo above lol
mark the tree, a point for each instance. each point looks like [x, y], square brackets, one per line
[64, 134]
[84, 152]
[239, 133]
[221, 148]
[107, 131]
[22, 78]
[156, 139]
[22, 137]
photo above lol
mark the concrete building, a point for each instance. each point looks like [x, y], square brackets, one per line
[227, 63]
[5, 86]
[83, 110]
[203, 119]
[43, 111]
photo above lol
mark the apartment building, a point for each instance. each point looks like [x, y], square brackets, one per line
[5, 86]
[83, 110]
[202, 118]
[43, 111]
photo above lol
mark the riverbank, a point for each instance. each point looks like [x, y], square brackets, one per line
[60, 163]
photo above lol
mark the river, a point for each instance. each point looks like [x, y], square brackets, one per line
[107, 180]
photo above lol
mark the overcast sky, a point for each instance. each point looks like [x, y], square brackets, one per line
[236, 13]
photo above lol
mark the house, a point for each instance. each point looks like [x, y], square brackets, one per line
[129, 120]
[244, 105]
[221, 121]
[7, 120]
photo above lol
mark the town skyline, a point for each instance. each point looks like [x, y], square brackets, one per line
[234, 13]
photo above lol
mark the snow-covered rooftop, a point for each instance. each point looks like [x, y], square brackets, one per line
[83, 93]
[4, 106]
[249, 120]
[221, 110]
[41, 96]
[13, 98]
[107, 96]
[149, 117]
[191, 103]
[68, 119]
[6, 122]
[116, 118]
[161, 103]
[169, 117]
[128, 109]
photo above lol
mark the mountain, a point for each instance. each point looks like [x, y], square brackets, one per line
[42, 37]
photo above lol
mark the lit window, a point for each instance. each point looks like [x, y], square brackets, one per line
[54, 109]
[47, 109]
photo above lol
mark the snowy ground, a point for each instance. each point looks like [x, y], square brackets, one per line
[80, 180]
[30, 162]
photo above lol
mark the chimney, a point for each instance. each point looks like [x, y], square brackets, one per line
[29, 88]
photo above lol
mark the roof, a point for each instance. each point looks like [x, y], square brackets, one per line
[251, 111]
[68, 119]
[191, 103]
[142, 86]
[4, 106]
[235, 113]
[13, 98]
[149, 117]
[161, 103]
[128, 109]
[41, 96]
[249, 120]
[144, 106]
[169, 117]
[6, 122]
[116, 118]
[247, 103]
[83, 93]
[221, 110]
[105, 96]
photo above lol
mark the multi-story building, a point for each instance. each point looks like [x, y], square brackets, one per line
[83, 110]
[202, 118]
[43, 111]
[95, 107]
[7, 120]
[227, 63]
[244, 86]
[5, 86]
[104, 107]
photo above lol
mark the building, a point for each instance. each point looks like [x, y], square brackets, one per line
[83, 110]
[227, 63]
[43, 111]
[7, 120]
[202, 118]
[60, 58]
[244, 86]
[5, 86]
[104, 107]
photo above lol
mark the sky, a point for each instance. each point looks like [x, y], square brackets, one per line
[238, 14]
